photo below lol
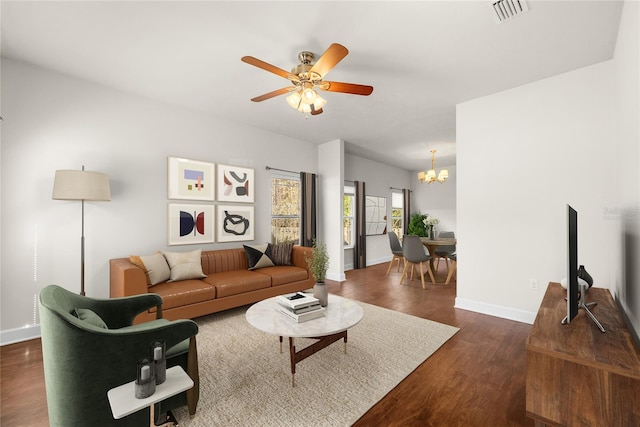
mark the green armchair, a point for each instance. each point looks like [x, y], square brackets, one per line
[91, 345]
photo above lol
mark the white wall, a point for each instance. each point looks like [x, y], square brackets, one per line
[627, 161]
[522, 155]
[330, 196]
[437, 199]
[378, 178]
[56, 122]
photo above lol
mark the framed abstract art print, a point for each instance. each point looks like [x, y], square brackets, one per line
[190, 224]
[235, 223]
[235, 184]
[190, 179]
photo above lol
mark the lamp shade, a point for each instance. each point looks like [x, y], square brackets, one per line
[81, 185]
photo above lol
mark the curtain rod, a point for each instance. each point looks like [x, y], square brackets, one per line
[281, 170]
[399, 189]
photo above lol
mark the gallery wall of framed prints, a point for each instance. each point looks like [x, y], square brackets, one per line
[196, 223]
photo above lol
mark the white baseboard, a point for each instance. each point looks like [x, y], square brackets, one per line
[340, 277]
[375, 261]
[496, 310]
[12, 336]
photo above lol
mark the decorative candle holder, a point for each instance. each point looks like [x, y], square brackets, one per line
[159, 360]
[145, 384]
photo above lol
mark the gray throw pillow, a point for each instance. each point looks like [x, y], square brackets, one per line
[90, 317]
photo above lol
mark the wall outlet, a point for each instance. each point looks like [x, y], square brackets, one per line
[533, 284]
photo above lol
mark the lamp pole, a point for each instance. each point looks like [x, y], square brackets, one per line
[82, 250]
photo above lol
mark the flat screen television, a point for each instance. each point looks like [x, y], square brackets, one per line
[572, 264]
[576, 288]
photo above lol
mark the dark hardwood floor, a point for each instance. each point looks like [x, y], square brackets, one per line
[477, 378]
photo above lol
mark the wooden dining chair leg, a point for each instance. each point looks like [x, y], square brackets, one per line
[393, 258]
[404, 272]
[433, 280]
[452, 270]
[422, 276]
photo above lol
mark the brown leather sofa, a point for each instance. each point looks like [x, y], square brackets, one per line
[229, 283]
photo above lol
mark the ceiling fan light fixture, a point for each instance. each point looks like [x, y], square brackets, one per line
[307, 77]
[319, 102]
[294, 99]
[309, 95]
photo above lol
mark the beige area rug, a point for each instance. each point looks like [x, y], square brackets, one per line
[246, 381]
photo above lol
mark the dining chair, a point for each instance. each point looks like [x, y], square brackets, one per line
[453, 268]
[443, 252]
[415, 256]
[396, 250]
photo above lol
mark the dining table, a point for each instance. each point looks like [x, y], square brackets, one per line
[432, 246]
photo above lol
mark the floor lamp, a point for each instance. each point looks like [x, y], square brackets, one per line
[81, 185]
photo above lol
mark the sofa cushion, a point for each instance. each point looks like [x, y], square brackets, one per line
[221, 260]
[155, 267]
[185, 265]
[237, 282]
[185, 292]
[258, 256]
[280, 253]
[281, 275]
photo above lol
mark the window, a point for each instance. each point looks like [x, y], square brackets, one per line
[285, 209]
[348, 216]
[397, 216]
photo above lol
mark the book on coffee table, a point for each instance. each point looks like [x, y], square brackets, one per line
[297, 301]
[301, 317]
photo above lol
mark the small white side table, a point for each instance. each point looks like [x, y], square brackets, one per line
[123, 401]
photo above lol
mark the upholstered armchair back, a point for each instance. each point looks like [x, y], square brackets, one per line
[83, 360]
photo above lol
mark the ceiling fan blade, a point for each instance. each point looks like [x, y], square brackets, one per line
[346, 88]
[329, 59]
[265, 66]
[316, 112]
[274, 93]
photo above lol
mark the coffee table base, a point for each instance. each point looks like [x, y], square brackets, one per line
[322, 342]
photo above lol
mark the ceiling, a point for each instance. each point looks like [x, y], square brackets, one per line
[422, 58]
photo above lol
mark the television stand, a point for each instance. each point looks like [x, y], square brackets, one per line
[579, 376]
[583, 304]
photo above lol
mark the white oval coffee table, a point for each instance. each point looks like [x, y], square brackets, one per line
[340, 315]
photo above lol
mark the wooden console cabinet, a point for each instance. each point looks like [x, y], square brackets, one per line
[577, 375]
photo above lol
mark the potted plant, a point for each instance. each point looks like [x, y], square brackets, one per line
[417, 226]
[318, 264]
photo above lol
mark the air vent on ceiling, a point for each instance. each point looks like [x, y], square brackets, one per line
[508, 9]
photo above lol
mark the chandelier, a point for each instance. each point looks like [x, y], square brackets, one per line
[306, 99]
[430, 175]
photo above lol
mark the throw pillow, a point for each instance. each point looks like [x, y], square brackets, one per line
[155, 267]
[90, 317]
[258, 256]
[185, 265]
[281, 253]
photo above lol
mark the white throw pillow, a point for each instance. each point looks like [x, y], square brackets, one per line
[185, 265]
[155, 267]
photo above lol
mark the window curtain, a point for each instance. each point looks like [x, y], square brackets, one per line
[406, 208]
[308, 214]
[360, 246]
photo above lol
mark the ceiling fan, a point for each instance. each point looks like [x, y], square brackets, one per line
[308, 76]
